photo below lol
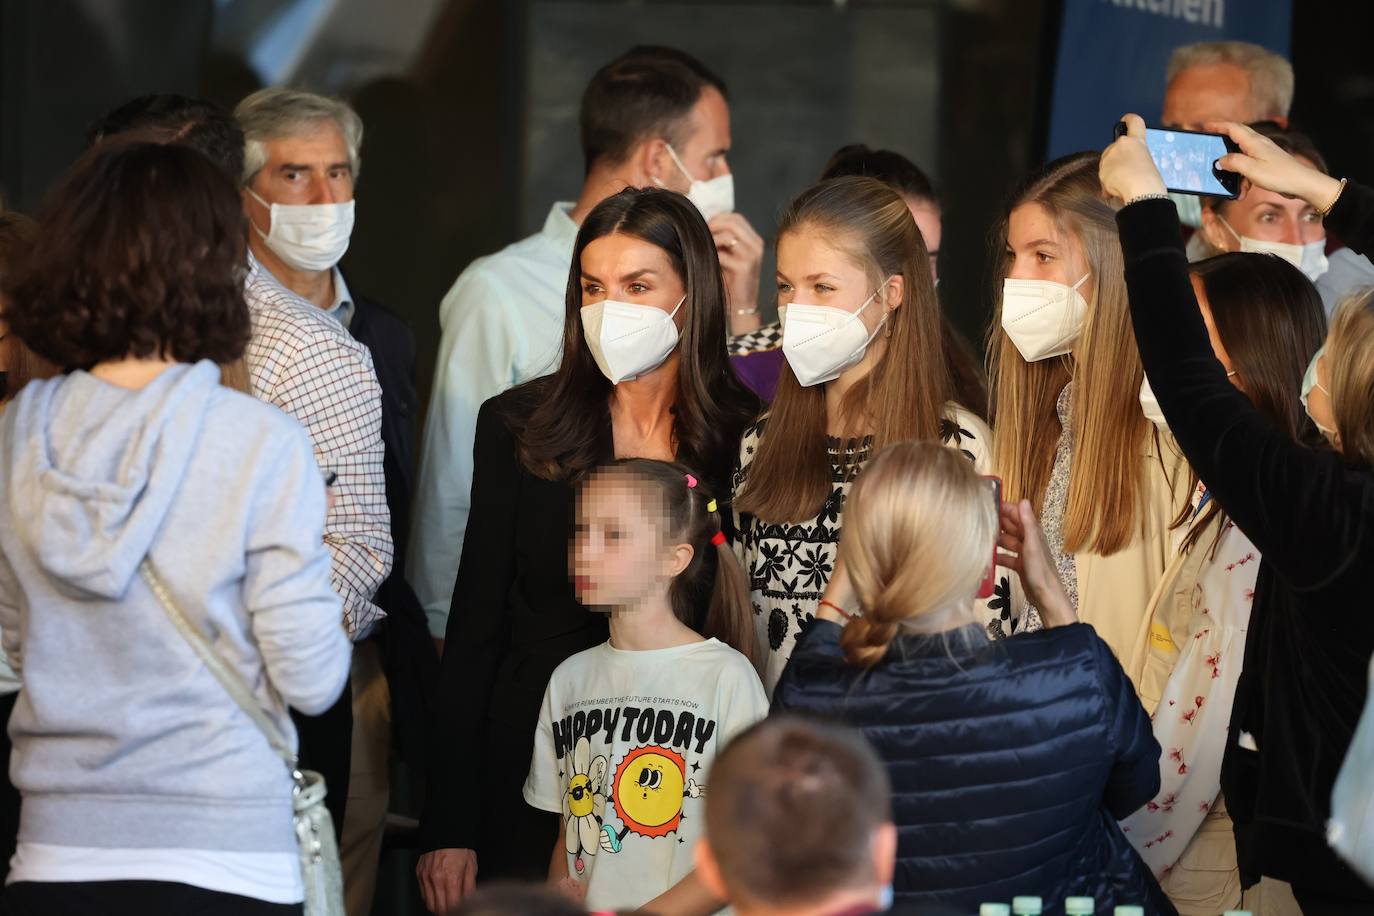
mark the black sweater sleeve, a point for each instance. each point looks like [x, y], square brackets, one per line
[477, 636]
[1300, 507]
[1353, 218]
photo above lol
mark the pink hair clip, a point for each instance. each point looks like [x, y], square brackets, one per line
[691, 482]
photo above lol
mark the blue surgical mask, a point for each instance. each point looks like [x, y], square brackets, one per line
[885, 898]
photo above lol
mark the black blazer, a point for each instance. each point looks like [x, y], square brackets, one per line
[514, 619]
[409, 658]
[1311, 514]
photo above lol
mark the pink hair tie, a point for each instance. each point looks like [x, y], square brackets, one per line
[691, 482]
[719, 538]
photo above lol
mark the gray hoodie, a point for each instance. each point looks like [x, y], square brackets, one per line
[122, 738]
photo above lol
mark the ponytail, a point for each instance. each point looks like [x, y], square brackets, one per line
[865, 639]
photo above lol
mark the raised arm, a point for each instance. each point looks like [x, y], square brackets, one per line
[1291, 501]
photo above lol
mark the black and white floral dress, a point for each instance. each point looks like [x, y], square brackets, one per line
[790, 564]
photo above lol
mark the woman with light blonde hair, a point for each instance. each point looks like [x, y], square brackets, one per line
[1010, 760]
[1070, 434]
[1309, 512]
[865, 367]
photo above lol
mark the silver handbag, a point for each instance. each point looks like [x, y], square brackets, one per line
[319, 852]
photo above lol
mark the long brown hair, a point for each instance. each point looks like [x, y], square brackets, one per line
[21, 365]
[567, 432]
[1270, 320]
[918, 532]
[902, 397]
[712, 594]
[1107, 481]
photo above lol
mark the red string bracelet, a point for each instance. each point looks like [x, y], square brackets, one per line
[837, 609]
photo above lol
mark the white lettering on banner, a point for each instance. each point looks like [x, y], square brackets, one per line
[1202, 12]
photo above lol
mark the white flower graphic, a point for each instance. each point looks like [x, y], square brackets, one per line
[584, 803]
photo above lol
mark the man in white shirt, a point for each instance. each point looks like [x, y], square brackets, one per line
[652, 117]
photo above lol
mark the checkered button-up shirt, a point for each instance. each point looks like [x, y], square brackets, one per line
[303, 361]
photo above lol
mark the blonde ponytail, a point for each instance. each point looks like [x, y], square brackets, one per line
[918, 537]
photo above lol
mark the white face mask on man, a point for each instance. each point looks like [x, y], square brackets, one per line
[821, 341]
[1043, 317]
[309, 237]
[1309, 258]
[712, 197]
[627, 339]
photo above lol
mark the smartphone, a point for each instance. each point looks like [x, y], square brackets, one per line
[1187, 161]
[990, 581]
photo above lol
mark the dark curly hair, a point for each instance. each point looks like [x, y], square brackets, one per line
[140, 252]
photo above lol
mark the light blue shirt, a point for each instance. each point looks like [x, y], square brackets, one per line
[502, 325]
[1347, 272]
[342, 309]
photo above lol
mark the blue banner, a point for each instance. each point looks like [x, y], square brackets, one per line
[1113, 53]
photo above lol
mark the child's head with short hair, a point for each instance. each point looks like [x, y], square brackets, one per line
[798, 812]
[645, 527]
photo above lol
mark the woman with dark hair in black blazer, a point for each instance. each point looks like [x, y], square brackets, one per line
[644, 374]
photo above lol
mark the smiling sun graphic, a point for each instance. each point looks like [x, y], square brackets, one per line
[650, 784]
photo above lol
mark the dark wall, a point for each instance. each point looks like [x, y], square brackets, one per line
[804, 78]
[64, 63]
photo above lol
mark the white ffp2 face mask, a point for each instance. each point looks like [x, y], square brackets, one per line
[712, 197]
[1309, 258]
[627, 339]
[1043, 317]
[309, 237]
[821, 341]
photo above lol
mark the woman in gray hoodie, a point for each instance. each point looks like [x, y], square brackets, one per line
[145, 788]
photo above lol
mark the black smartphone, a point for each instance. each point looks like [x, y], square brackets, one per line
[989, 582]
[1187, 160]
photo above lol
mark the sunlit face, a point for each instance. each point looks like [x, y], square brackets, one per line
[312, 168]
[1039, 249]
[628, 269]
[705, 147]
[1263, 215]
[814, 270]
[618, 556]
[927, 217]
[1215, 92]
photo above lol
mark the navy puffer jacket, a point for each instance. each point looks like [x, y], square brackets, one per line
[1010, 761]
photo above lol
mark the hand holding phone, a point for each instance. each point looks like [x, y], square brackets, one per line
[1187, 160]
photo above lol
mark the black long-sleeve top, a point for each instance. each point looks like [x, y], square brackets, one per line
[1311, 514]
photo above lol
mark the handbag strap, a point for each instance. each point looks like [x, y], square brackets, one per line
[230, 679]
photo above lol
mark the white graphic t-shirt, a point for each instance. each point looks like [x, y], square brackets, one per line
[623, 752]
